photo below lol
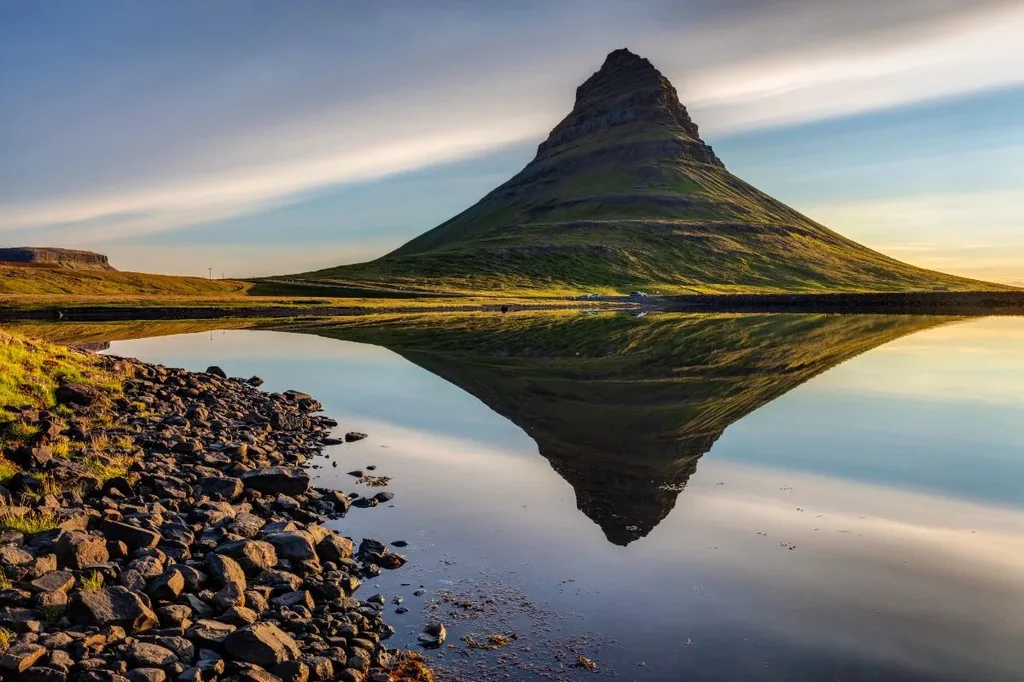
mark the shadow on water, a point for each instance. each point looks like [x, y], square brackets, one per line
[622, 407]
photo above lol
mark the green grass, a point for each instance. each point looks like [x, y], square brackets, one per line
[6, 637]
[92, 582]
[108, 466]
[16, 431]
[7, 470]
[63, 281]
[25, 520]
[30, 372]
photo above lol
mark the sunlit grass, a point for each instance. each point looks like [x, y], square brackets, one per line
[92, 582]
[30, 372]
[108, 466]
[62, 446]
[18, 431]
[25, 520]
[7, 469]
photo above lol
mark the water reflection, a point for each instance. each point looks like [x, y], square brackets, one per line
[623, 408]
[805, 547]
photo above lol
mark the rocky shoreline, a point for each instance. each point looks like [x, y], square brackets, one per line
[171, 533]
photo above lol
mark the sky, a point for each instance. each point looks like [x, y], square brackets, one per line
[259, 137]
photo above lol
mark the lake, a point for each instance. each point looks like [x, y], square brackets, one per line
[674, 497]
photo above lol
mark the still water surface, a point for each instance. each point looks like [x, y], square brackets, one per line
[821, 498]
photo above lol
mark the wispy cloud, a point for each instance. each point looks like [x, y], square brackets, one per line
[178, 127]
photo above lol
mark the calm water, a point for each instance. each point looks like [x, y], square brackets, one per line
[682, 498]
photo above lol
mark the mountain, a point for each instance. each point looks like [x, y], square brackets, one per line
[625, 194]
[53, 257]
[622, 407]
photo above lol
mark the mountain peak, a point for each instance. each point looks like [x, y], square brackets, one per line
[629, 92]
[625, 195]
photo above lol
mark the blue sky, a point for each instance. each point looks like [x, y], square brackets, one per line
[265, 137]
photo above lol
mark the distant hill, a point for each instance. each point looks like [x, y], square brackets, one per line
[624, 194]
[35, 270]
[52, 257]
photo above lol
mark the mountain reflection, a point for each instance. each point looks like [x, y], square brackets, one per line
[623, 407]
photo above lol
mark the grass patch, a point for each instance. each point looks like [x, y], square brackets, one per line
[7, 470]
[5, 582]
[92, 582]
[30, 372]
[105, 467]
[62, 446]
[6, 637]
[26, 520]
[18, 431]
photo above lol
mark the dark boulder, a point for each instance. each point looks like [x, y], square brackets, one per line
[294, 546]
[253, 556]
[77, 550]
[277, 480]
[334, 548]
[77, 394]
[112, 606]
[21, 657]
[133, 536]
[262, 644]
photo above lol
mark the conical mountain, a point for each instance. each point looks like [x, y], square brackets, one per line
[625, 193]
[623, 408]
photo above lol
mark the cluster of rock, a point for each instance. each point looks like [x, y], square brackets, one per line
[206, 561]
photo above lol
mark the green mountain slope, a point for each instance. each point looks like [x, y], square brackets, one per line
[624, 194]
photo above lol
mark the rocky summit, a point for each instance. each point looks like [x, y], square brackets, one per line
[171, 533]
[625, 194]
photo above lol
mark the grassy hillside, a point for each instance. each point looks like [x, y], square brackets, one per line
[46, 280]
[672, 226]
[625, 195]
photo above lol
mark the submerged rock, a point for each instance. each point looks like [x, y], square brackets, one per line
[433, 635]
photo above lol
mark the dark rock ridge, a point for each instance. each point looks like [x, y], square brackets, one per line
[181, 540]
[626, 89]
[53, 257]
